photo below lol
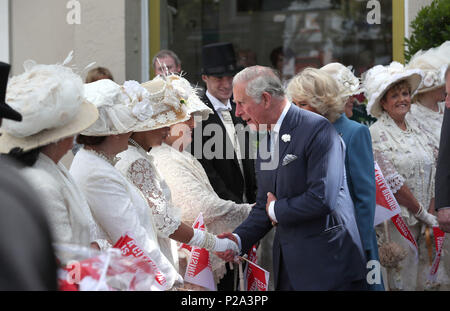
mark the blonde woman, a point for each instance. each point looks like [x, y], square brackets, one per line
[325, 92]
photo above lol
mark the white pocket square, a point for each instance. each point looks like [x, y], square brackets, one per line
[288, 159]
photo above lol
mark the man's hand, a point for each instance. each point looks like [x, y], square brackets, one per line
[228, 255]
[270, 198]
[444, 219]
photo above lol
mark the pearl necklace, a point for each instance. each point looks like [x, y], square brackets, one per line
[140, 149]
[103, 156]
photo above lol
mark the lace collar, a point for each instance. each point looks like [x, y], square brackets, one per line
[105, 157]
[390, 123]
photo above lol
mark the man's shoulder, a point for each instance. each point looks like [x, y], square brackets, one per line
[305, 120]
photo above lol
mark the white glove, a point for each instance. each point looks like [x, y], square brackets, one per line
[210, 242]
[426, 217]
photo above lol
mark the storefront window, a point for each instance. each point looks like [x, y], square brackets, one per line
[285, 34]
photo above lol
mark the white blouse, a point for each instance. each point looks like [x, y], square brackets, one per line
[66, 207]
[405, 157]
[192, 193]
[428, 120]
[137, 166]
[119, 207]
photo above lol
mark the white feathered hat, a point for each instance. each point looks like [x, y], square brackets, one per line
[378, 80]
[349, 84]
[431, 62]
[51, 100]
[113, 104]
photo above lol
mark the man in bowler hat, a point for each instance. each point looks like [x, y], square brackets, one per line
[230, 168]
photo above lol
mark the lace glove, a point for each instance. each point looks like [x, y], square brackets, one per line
[210, 242]
[426, 217]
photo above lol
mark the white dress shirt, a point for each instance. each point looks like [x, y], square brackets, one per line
[274, 133]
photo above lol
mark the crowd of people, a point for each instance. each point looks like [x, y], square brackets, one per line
[269, 163]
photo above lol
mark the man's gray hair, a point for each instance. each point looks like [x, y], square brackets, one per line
[165, 53]
[260, 79]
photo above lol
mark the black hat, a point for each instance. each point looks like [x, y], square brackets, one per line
[6, 111]
[218, 59]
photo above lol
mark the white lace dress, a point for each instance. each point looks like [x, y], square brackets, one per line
[69, 215]
[119, 207]
[428, 120]
[193, 193]
[406, 157]
[137, 166]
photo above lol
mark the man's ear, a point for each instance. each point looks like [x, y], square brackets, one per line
[266, 99]
[205, 78]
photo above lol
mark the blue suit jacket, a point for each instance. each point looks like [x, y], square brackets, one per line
[316, 232]
[359, 166]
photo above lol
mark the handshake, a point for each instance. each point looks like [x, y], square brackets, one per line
[224, 245]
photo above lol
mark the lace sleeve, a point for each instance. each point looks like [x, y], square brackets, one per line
[380, 150]
[193, 194]
[166, 217]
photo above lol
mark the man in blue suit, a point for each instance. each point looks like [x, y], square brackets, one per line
[301, 191]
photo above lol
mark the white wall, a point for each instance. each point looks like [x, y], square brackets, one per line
[412, 7]
[40, 31]
[4, 31]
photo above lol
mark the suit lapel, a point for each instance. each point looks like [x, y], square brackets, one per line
[215, 118]
[289, 123]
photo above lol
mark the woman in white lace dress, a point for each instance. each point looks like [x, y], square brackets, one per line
[50, 99]
[167, 97]
[427, 110]
[407, 159]
[190, 187]
[117, 205]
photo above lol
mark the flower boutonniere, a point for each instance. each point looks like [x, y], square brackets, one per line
[286, 138]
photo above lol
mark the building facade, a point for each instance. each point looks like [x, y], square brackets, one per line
[123, 35]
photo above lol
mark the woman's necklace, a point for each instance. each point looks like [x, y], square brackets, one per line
[104, 156]
[140, 149]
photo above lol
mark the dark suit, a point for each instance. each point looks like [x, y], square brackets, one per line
[27, 260]
[443, 165]
[224, 174]
[317, 244]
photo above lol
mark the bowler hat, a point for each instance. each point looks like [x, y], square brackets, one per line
[5, 110]
[218, 59]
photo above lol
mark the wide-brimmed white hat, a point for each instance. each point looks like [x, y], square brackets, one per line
[378, 80]
[348, 82]
[431, 62]
[51, 100]
[168, 99]
[114, 107]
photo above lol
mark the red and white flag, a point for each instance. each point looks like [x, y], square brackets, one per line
[387, 207]
[129, 247]
[439, 237]
[256, 278]
[199, 270]
[386, 204]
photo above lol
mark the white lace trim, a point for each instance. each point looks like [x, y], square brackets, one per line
[144, 177]
[395, 182]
